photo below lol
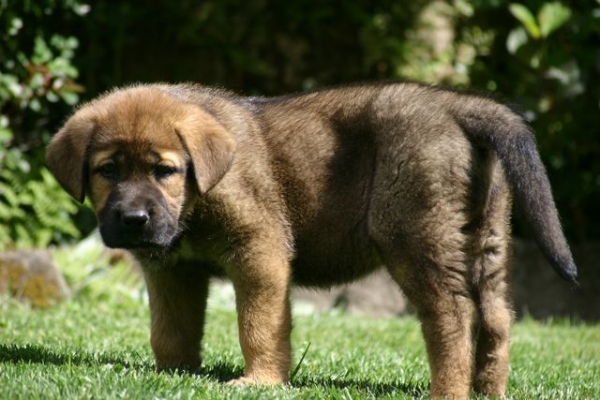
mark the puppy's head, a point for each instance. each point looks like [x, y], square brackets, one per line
[142, 157]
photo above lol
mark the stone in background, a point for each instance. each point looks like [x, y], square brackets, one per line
[375, 295]
[32, 277]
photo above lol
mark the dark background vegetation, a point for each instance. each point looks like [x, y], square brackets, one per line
[542, 56]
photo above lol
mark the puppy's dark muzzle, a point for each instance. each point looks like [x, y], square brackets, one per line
[137, 220]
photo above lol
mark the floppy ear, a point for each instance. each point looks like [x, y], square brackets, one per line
[209, 145]
[66, 154]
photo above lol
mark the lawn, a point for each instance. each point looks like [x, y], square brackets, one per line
[97, 346]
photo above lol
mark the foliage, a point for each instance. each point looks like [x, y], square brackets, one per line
[36, 82]
[96, 274]
[543, 55]
[33, 212]
[255, 46]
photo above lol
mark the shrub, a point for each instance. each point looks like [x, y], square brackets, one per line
[543, 55]
[37, 84]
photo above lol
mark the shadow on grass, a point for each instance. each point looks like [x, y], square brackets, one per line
[40, 355]
[219, 371]
[222, 372]
[35, 354]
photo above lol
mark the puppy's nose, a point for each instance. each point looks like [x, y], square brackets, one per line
[135, 217]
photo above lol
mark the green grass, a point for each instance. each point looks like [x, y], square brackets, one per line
[100, 349]
[97, 346]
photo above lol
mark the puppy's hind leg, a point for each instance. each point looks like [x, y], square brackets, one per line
[447, 313]
[419, 234]
[490, 275]
[427, 259]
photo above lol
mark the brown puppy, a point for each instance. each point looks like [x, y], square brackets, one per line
[316, 189]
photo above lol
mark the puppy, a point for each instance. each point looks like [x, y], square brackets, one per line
[316, 189]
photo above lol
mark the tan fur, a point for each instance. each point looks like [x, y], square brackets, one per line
[316, 189]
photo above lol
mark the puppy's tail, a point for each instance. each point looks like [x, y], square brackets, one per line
[496, 126]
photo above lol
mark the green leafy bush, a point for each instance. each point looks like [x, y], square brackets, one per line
[543, 56]
[33, 212]
[37, 84]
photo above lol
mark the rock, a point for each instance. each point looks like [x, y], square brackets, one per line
[375, 295]
[31, 276]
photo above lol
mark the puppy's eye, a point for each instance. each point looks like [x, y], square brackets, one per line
[108, 171]
[164, 171]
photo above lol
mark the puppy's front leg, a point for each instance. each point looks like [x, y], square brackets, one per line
[261, 284]
[177, 309]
